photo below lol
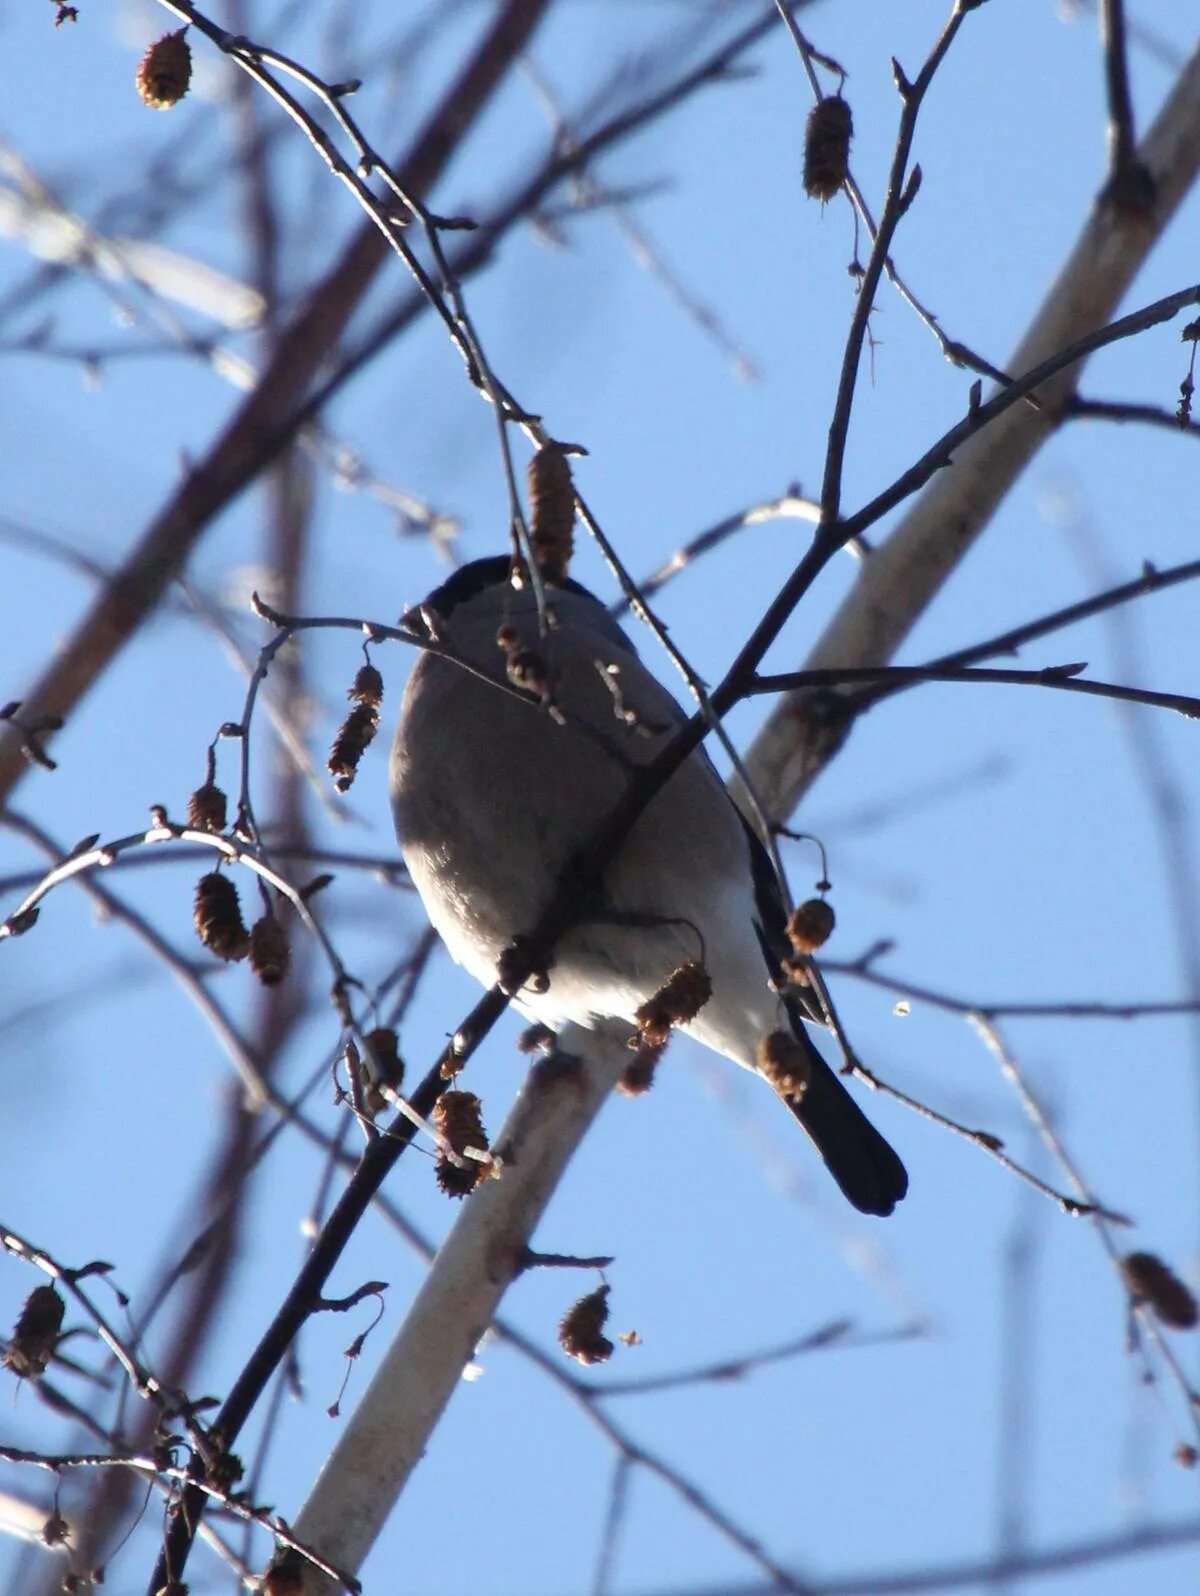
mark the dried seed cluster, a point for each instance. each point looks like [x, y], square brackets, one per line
[680, 998]
[552, 502]
[357, 731]
[55, 1530]
[811, 925]
[580, 1334]
[638, 1075]
[1148, 1279]
[218, 917]
[367, 688]
[524, 667]
[456, 1119]
[385, 1045]
[677, 1002]
[827, 147]
[36, 1333]
[207, 808]
[784, 1063]
[165, 71]
[270, 954]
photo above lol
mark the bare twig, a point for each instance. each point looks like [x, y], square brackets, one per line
[863, 969]
[1121, 139]
[1061, 677]
[1141, 1314]
[1126, 410]
[906, 571]
[959, 353]
[789, 504]
[1063, 1557]
[239, 453]
[901, 191]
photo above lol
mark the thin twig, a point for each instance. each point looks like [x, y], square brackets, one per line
[979, 416]
[252, 437]
[1152, 580]
[1061, 677]
[790, 504]
[1121, 139]
[901, 190]
[1079, 408]
[838, 1335]
[614, 1519]
[862, 969]
[959, 353]
[1141, 1313]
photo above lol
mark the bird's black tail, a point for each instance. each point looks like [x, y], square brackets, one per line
[864, 1165]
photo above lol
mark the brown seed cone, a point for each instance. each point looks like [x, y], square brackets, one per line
[526, 668]
[654, 1022]
[1148, 1279]
[384, 1044]
[638, 1075]
[456, 1118]
[36, 1333]
[552, 498]
[680, 998]
[56, 1531]
[270, 954]
[580, 1333]
[218, 917]
[827, 147]
[165, 71]
[368, 687]
[783, 1062]
[811, 925]
[207, 809]
[354, 737]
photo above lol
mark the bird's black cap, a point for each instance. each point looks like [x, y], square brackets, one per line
[469, 581]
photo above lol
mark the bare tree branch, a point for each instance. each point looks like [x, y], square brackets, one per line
[904, 574]
[137, 587]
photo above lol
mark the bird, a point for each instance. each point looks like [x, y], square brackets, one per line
[523, 722]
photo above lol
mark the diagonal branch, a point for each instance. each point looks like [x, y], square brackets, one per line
[236, 456]
[390, 1428]
[901, 190]
[1122, 162]
[904, 574]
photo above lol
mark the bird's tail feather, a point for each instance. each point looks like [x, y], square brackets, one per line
[863, 1163]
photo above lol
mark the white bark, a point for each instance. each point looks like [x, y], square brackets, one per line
[902, 576]
[387, 1434]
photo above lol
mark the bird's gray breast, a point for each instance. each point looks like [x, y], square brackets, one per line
[493, 793]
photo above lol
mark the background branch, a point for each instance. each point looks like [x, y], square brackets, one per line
[911, 565]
